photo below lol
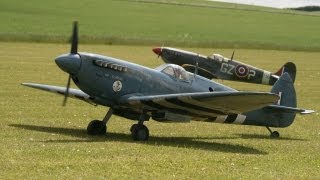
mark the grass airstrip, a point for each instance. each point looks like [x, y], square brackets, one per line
[42, 139]
[195, 23]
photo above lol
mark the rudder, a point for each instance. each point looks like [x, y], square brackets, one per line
[290, 68]
[284, 87]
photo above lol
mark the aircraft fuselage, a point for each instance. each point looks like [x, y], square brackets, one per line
[217, 66]
[107, 79]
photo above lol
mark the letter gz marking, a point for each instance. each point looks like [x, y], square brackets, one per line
[227, 68]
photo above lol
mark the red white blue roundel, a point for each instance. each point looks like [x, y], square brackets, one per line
[242, 71]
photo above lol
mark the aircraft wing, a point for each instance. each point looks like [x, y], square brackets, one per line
[73, 93]
[207, 104]
[290, 109]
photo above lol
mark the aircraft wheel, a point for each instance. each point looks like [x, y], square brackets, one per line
[96, 127]
[134, 126]
[139, 132]
[275, 134]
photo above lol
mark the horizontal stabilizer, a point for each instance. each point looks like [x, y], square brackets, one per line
[286, 109]
[73, 93]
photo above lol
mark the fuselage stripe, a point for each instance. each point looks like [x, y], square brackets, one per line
[192, 106]
[173, 110]
[191, 110]
[220, 119]
[265, 77]
[240, 119]
[231, 118]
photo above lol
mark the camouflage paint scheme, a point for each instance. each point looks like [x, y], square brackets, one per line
[219, 67]
[167, 94]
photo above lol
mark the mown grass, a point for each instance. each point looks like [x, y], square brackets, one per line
[42, 139]
[177, 23]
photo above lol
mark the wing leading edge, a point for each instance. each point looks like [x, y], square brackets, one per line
[207, 104]
[73, 93]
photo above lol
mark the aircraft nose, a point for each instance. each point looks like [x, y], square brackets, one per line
[69, 63]
[157, 50]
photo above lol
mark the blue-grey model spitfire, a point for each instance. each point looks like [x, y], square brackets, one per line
[167, 94]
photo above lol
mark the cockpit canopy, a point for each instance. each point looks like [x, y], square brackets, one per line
[175, 71]
[218, 57]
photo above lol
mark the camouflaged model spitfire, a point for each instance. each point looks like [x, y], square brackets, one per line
[219, 67]
[167, 93]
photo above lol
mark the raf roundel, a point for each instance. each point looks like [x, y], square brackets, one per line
[242, 71]
[117, 85]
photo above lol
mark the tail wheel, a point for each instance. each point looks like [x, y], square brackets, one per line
[275, 134]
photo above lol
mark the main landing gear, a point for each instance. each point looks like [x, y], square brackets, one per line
[97, 127]
[273, 134]
[139, 131]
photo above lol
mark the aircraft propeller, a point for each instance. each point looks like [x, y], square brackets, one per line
[73, 50]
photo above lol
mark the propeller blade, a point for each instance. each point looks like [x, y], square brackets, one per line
[74, 38]
[66, 94]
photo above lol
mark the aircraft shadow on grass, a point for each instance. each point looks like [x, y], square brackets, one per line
[186, 142]
[259, 136]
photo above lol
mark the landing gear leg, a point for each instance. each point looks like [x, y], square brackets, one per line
[97, 127]
[140, 132]
[273, 134]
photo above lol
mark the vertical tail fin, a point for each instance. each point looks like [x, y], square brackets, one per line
[285, 88]
[289, 68]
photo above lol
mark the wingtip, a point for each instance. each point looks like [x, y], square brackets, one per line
[24, 84]
[306, 111]
[27, 84]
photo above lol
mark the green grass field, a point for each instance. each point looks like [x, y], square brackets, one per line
[41, 139]
[183, 23]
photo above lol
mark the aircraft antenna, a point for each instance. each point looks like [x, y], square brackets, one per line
[232, 55]
[196, 68]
